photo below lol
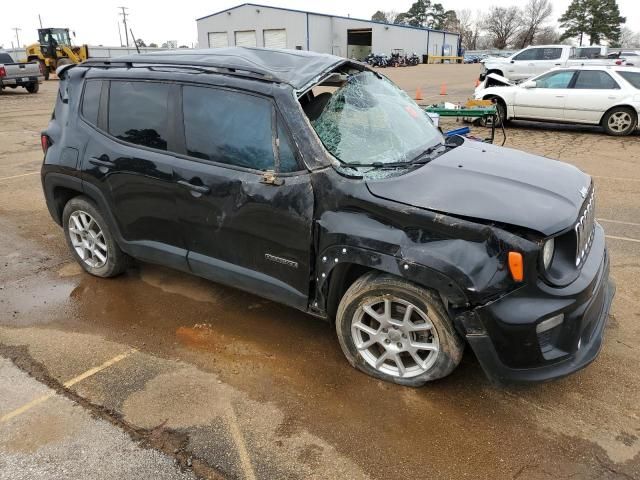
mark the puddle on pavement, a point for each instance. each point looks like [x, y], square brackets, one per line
[284, 357]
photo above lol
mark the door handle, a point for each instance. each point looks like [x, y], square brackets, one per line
[196, 188]
[558, 64]
[559, 96]
[102, 161]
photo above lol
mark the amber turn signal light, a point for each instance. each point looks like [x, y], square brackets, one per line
[516, 266]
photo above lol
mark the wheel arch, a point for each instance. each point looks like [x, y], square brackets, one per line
[339, 266]
[499, 99]
[622, 105]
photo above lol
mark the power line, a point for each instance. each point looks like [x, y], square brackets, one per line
[124, 20]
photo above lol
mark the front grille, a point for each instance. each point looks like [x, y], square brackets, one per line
[585, 227]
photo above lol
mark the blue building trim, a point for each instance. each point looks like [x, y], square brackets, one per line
[325, 15]
[308, 31]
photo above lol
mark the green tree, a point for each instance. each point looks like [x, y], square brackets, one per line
[379, 16]
[418, 14]
[600, 19]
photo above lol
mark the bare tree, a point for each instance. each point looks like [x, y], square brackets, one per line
[534, 15]
[547, 36]
[469, 28]
[503, 24]
[629, 38]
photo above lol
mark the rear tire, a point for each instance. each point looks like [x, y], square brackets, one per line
[620, 121]
[396, 331]
[90, 239]
[33, 87]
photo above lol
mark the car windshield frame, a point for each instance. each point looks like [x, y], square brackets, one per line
[369, 120]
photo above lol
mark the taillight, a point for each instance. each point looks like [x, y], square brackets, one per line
[45, 142]
[3, 72]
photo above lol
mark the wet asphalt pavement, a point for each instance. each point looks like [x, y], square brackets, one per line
[170, 376]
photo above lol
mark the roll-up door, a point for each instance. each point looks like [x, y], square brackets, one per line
[246, 38]
[276, 38]
[218, 39]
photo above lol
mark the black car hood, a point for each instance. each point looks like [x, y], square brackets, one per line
[492, 183]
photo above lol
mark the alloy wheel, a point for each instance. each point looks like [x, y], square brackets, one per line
[88, 239]
[395, 337]
[620, 121]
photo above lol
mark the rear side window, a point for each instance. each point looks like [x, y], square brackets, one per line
[91, 100]
[632, 77]
[595, 80]
[228, 127]
[138, 113]
[549, 53]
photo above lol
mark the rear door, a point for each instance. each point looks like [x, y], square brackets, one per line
[128, 160]
[242, 225]
[534, 61]
[593, 93]
[547, 100]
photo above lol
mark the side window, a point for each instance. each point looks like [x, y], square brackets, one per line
[91, 100]
[632, 77]
[138, 113]
[549, 53]
[288, 162]
[228, 127]
[529, 54]
[595, 80]
[555, 79]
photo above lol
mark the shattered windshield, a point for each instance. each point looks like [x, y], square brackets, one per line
[370, 120]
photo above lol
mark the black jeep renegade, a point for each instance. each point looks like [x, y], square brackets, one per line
[314, 181]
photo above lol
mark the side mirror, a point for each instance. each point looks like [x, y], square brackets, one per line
[529, 84]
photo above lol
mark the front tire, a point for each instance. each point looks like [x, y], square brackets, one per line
[620, 121]
[90, 239]
[396, 331]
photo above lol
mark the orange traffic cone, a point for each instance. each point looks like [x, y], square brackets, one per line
[419, 94]
[443, 89]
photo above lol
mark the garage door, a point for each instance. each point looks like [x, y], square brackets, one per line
[246, 38]
[218, 39]
[275, 38]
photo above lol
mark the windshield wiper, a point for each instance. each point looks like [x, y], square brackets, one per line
[423, 158]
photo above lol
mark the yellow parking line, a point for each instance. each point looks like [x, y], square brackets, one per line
[18, 176]
[73, 381]
[626, 239]
[238, 439]
[619, 221]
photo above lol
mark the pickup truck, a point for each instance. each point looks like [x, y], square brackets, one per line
[12, 74]
[536, 60]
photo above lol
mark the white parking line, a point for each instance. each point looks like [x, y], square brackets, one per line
[238, 439]
[619, 221]
[626, 239]
[37, 401]
[18, 176]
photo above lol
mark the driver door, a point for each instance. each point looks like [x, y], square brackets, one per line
[547, 99]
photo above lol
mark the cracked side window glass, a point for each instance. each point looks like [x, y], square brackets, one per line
[369, 120]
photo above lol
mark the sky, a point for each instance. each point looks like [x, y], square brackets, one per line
[96, 23]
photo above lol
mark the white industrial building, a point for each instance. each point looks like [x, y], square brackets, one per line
[252, 25]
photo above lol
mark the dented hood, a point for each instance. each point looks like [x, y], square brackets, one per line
[486, 182]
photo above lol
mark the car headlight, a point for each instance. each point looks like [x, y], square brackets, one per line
[547, 252]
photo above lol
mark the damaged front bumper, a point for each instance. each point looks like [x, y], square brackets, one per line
[510, 348]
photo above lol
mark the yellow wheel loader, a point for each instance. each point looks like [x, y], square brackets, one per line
[54, 49]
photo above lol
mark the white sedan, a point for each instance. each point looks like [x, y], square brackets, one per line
[595, 95]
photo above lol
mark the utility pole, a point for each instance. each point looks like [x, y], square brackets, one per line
[120, 35]
[40, 20]
[124, 20]
[16, 29]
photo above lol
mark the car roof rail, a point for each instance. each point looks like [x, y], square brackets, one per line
[200, 67]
